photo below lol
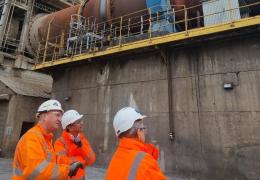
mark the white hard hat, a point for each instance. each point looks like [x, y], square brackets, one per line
[70, 117]
[49, 106]
[125, 118]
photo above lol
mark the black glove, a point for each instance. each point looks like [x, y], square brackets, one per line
[78, 142]
[74, 167]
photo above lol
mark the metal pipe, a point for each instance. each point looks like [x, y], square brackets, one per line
[82, 5]
[10, 16]
[101, 10]
[165, 55]
[39, 27]
[4, 19]
[24, 33]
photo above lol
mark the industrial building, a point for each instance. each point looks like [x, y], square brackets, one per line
[192, 67]
[21, 89]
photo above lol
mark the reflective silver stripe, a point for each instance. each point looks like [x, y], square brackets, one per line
[17, 172]
[55, 173]
[135, 165]
[49, 156]
[62, 153]
[40, 167]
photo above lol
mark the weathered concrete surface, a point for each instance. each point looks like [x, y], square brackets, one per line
[217, 130]
[17, 109]
[20, 109]
[23, 92]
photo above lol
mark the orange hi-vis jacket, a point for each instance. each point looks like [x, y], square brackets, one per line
[35, 157]
[70, 152]
[133, 161]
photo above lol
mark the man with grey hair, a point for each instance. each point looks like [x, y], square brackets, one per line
[133, 159]
[34, 156]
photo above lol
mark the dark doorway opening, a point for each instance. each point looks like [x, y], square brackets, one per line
[25, 127]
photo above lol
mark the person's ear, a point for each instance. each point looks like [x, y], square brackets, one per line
[139, 134]
[42, 116]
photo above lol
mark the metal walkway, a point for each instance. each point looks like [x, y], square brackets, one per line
[149, 39]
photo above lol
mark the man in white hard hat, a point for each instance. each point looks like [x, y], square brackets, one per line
[35, 157]
[73, 145]
[133, 159]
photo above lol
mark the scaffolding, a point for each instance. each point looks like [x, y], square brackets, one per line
[81, 34]
[139, 29]
[44, 7]
[22, 10]
[8, 8]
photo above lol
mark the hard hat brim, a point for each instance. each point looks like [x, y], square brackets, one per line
[79, 117]
[73, 121]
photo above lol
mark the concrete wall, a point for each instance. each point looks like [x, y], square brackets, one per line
[217, 130]
[21, 108]
[4, 89]
[14, 29]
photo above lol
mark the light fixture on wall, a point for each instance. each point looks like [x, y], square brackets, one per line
[67, 98]
[228, 86]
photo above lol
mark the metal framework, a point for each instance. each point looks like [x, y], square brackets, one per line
[129, 33]
[7, 12]
[80, 35]
[44, 7]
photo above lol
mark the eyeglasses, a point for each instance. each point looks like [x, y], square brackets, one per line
[142, 128]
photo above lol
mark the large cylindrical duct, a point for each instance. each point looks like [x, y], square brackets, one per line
[101, 10]
[192, 8]
[40, 25]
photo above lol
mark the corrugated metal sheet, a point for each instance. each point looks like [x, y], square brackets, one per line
[26, 87]
[220, 11]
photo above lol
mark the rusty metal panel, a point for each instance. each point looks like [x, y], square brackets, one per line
[39, 28]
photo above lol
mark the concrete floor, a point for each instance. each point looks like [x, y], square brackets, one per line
[92, 172]
[6, 171]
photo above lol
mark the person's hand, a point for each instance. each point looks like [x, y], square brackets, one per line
[74, 167]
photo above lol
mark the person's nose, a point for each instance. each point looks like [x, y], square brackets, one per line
[59, 118]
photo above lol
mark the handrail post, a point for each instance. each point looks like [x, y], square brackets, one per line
[186, 20]
[120, 35]
[150, 22]
[128, 31]
[62, 40]
[47, 40]
[230, 11]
